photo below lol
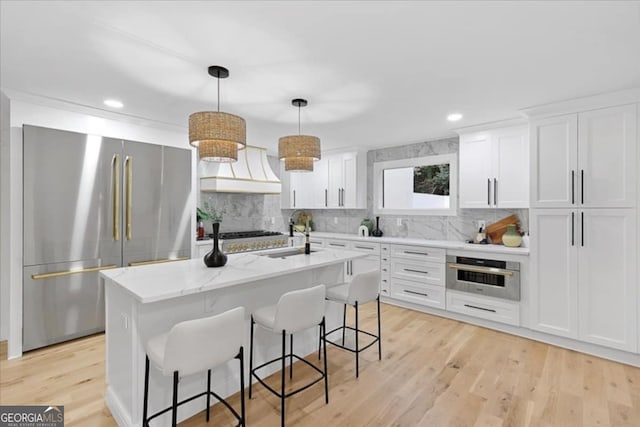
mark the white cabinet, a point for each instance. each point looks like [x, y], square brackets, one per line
[359, 265]
[583, 275]
[554, 271]
[586, 159]
[338, 181]
[304, 190]
[494, 168]
[417, 274]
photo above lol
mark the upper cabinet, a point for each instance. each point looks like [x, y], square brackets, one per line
[338, 181]
[585, 159]
[494, 168]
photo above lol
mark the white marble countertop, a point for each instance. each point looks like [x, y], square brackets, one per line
[157, 282]
[446, 244]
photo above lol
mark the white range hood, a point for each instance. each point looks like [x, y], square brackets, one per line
[250, 174]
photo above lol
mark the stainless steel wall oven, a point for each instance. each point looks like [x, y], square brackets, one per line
[495, 278]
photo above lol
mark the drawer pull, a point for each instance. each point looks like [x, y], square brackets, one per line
[369, 248]
[415, 271]
[416, 253]
[337, 244]
[384, 280]
[384, 269]
[415, 293]
[480, 308]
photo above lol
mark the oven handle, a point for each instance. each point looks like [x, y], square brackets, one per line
[488, 270]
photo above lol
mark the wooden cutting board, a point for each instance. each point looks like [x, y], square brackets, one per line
[497, 229]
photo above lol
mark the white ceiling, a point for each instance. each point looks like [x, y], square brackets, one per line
[376, 73]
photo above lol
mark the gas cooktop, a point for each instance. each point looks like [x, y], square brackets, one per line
[245, 241]
[247, 234]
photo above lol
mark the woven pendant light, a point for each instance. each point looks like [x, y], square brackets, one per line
[217, 135]
[299, 151]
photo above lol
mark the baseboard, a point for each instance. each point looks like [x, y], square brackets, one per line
[3, 350]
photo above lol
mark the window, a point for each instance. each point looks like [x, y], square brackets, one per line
[420, 186]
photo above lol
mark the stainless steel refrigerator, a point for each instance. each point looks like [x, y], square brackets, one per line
[93, 203]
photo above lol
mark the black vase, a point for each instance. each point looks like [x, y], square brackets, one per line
[215, 258]
[377, 232]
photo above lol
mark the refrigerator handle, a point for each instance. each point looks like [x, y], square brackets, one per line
[115, 191]
[128, 166]
[70, 272]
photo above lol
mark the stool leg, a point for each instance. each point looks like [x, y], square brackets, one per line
[357, 351]
[208, 392]
[379, 334]
[251, 357]
[291, 357]
[242, 409]
[319, 343]
[174, 407]
[284, 358]
[323, 329]
[344, 322]
[146, 391]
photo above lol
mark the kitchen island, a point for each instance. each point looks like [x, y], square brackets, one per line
[144, 301]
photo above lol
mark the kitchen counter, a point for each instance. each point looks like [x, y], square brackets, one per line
[144, 301]
[446, 244]
[157, 282]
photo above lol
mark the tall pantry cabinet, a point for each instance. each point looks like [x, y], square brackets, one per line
[583, 226]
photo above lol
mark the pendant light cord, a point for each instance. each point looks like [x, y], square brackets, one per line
[299, 119]
[218, 92]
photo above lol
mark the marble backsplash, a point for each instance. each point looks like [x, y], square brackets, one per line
[262, 211]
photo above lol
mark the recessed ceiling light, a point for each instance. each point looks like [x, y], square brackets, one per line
[113, 103]
[454, 117]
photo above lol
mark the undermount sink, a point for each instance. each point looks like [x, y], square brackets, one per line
[285, 253]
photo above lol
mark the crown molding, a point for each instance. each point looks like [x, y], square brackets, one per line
[603, 100]
[60, 104]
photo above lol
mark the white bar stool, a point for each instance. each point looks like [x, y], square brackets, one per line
[362, 290]
[295, 311]
[195, 346]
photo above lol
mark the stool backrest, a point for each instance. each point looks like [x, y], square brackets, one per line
[201, 344]
[364, 287]
[299, 310]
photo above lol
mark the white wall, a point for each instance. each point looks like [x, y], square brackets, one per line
[57, 115]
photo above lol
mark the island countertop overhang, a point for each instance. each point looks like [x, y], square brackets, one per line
[158, 282]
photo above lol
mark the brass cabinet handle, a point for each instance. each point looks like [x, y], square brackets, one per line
[115, 165]
[128, 165]
[155, 261]
[488, 270]
[70, 272]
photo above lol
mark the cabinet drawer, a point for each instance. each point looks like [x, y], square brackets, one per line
[316, 243]
[338, 244]
[373, 248]
[405, 290]
[418, 253]
[484, 307]
[424, 272]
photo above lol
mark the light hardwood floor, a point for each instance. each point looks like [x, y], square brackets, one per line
[434, 372]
